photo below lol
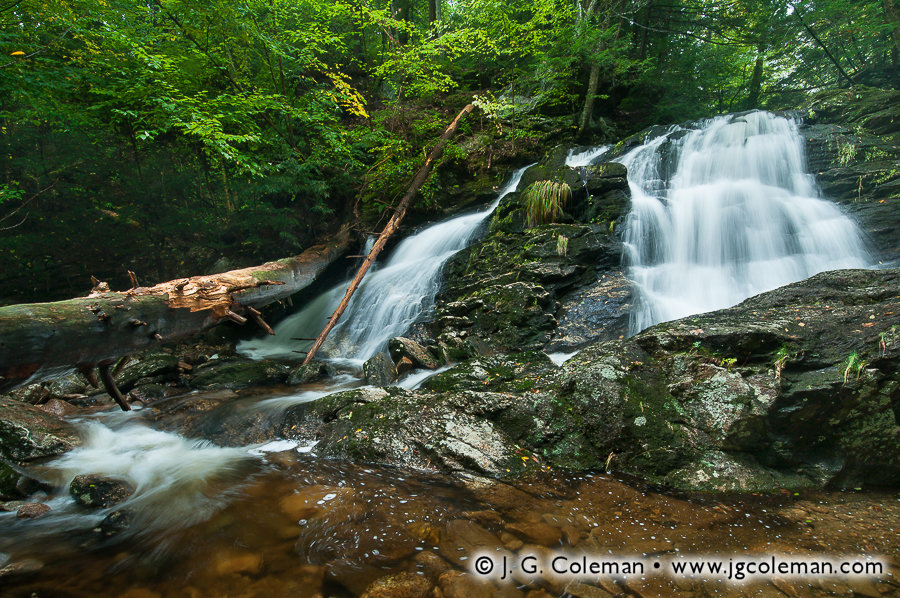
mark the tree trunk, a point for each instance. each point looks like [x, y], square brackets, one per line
[755, 87]
[645, 31]
[41, 341]
[825, 49]
[893, 21]
[390, 228]
[593, 84]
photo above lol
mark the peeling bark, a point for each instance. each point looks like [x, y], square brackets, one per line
[40, 341]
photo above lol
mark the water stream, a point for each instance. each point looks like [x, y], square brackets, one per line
[724, 212]
[390, 299]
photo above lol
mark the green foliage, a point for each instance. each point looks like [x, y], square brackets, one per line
[855, 365]
[544, 201]
[180, 132]
[562, 245]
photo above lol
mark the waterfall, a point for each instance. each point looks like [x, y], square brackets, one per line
[724, 212]
[389, 300]
[575, 159]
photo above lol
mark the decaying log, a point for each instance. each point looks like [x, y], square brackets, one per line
[390, 228]
[40, 341]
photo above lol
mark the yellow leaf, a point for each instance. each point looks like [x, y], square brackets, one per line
[17, 53]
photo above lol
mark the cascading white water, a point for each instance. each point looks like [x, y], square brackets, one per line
[575, 159]
[725, 212]
[177, 482]
[388, 301]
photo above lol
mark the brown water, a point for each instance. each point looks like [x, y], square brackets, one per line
[291, 524]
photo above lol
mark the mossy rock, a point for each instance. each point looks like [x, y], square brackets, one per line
[147, 365]
[28, 433]
[98, 491]
[233, 374]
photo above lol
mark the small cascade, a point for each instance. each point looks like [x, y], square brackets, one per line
[177, 482]
[389, 300]
[576, 159]
[724, 212]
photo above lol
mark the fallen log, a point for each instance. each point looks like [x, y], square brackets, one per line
[390, 228]
[41, 341]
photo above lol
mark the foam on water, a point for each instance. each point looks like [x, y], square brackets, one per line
[575, 159]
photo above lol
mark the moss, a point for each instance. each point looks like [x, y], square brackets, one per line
[649, 414]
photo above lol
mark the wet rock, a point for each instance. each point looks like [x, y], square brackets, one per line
[33, 394]
[430, 564]
[23, 567]
[456, 584]
[59, 408]
[12, 505]
[237, 562]
[853, 146]
[234, 374]
[97, 491]
[793, 388]
[9, 480]
[311, 372]
[509, 217]
[32, 510]
[413, 430]
[146, 365]
[379, 370]
[27, 432]
[503, 291]
[460, 539]
[148, 393]
[400, 585]
[454, 348]
[114, 523]
[551, 171]
[596, 312]
[536, 532]
[400, 347]
[71, 384]
[404, 366]
[613, 171]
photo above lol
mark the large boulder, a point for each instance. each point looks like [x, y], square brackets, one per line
[28, 433]
[853, 147]
[506, 292]
[793, 388]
